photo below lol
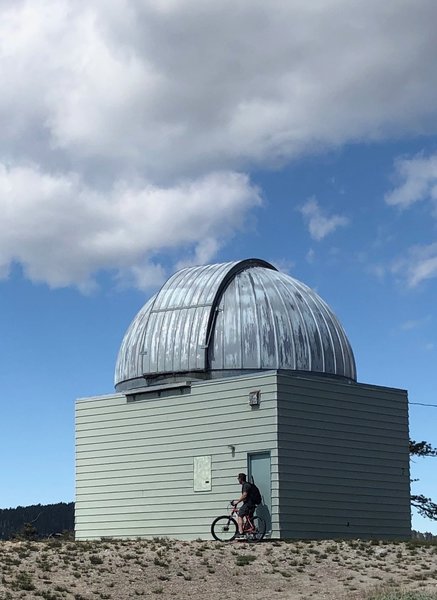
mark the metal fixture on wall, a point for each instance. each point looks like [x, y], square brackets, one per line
[254, 398]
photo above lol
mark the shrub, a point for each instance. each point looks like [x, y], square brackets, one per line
[398, 594]
[244, 559]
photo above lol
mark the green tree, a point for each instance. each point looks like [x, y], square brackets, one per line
[425, 506]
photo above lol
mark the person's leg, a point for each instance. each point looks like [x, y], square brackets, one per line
[241, 514]
[249, 518]
[240, 524]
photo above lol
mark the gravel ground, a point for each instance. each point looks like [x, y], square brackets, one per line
[161, 568]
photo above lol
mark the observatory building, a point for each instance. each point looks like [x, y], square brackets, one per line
[238, 367]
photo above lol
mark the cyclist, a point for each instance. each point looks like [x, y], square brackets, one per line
[248, 506]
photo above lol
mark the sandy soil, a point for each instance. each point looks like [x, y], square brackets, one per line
[161, 568]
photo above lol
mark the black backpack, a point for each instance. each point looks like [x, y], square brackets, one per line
[255, 494]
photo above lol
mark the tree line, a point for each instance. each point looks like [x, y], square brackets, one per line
[36, 521]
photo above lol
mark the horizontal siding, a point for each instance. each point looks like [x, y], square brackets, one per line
[148, 449]
[118, 496]
[342, 443]
[343, 459]
[134, 421]
[108, 440]
[292, 466]
[222, 464]
[134, 460]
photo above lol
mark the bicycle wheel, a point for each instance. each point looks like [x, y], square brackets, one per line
[224, 529]
[260, 530]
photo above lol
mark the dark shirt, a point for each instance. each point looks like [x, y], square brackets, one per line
[246, 487]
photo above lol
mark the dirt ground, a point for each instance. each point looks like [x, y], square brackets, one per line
[331, 570]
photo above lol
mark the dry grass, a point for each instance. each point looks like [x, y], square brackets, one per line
[160, 568]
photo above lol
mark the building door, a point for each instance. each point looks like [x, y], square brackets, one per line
[259, 469]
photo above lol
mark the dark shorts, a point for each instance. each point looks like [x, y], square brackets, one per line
[246, 509]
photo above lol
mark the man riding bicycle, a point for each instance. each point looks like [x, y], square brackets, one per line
[241, 523]
[248, 506]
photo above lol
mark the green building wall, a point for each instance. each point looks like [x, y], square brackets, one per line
[339, 457]
[135, 459]
[343, 459]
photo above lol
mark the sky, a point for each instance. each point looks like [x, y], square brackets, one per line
[139, 137]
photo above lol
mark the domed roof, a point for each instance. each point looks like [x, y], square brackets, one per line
[225, 319]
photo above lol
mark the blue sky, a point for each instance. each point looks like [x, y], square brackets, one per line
[140, 137]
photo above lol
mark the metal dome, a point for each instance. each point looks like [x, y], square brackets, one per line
[223, 319]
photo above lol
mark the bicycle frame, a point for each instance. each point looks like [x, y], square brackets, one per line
[248, 525]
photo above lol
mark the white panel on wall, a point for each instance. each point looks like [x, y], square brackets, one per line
[202, 473]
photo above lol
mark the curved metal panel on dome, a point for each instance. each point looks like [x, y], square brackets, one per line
[232, 317]
[268, 320]
[175, 340]
[170, 334]
[130, 356]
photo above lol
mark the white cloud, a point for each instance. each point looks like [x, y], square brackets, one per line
[417, 182]
[285, 265]
[144, 276]
[377, 270]
[68, 231]
[190, 86]
[411, 324]
[205, 250]
[113, 103]
[419, 265]
[319, 224]
[418, 177]
[310, 256]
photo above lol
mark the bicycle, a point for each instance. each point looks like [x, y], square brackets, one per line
[225, 527]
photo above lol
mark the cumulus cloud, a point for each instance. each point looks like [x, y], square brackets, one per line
[417, 177]
[319, 224]
[111, 104]
[419, 265]
[418, 181]
[205, 250]
[68, 230]
[182, 87]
